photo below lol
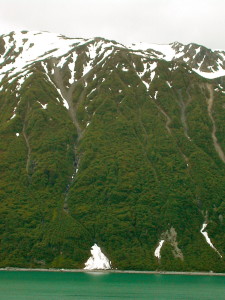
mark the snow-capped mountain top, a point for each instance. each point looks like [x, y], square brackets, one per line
[18, 50]
[207, 63]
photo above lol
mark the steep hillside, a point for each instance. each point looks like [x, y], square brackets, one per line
[114, 145]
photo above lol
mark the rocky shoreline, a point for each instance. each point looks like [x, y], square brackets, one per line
[112, 271]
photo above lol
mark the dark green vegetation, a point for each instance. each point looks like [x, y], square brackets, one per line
[141, 167]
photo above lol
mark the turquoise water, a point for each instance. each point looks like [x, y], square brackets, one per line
[59, 286]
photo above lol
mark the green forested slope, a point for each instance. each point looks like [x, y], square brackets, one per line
[124, 167]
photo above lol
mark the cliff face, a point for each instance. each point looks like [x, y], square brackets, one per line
[114, 145]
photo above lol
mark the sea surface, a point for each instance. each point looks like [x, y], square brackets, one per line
[59, 286]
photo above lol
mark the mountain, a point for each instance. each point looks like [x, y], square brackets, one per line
[117, 146]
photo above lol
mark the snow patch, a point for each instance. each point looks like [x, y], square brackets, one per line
[153, 66]
[21, 80]
[158, 249]
[44, 106]
[45, 67]
[197, 51]
[156, 93]
[205, 234]
[152, 75]
[146, 84]
[71, 66]
[147, 68]
[169, 84]
[213, 75]
[91, 92]
[178, 55]
[65, 103]
[49, 79]
[125, 69]
[93, 53]
[13, 116]
[107, 52]
[97, 261]
[186, 59]
[167, 51]
[62, 62]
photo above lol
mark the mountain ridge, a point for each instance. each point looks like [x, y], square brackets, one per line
[171, 52]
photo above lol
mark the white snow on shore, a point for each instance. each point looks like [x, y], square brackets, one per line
[205, 234]
[97, 261]
[158, 249]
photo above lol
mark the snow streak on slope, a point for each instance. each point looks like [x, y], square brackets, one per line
[72, 67]
[158, 249]
[205, 234]
[149, 69]
[95, 51]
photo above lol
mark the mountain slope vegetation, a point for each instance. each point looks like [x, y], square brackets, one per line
[108, 144]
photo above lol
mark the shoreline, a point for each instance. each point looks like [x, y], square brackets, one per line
[113, 271]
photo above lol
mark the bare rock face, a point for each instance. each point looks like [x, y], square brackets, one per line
[171, 237]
